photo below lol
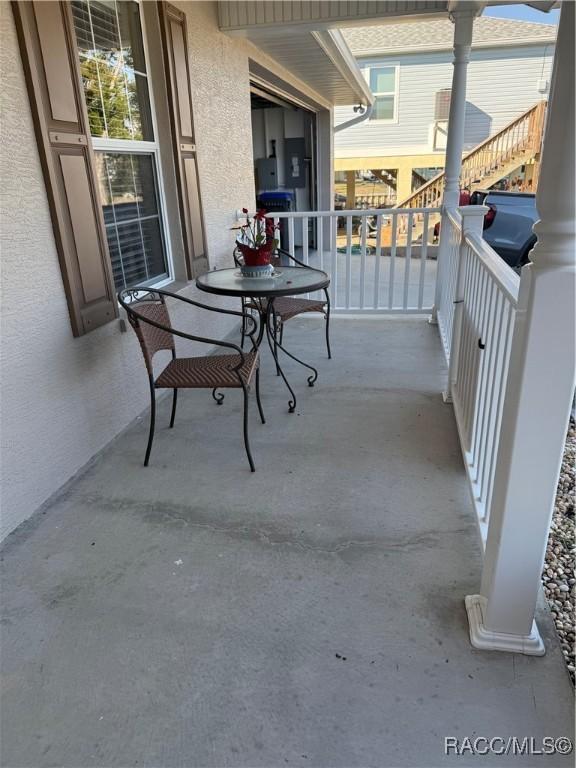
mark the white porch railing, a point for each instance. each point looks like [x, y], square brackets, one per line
[484, 293]
[379, 261]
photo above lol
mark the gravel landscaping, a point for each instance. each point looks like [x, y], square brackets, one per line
[558, 576]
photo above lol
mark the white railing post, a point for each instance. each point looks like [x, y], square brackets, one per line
[472, 223]
[539, 391]
[463, 28]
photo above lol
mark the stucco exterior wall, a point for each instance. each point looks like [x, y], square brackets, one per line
[64, 399]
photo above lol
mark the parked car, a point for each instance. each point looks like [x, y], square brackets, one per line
[508, 223]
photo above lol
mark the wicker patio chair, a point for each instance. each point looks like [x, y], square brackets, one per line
[287, 307]
[148, 315]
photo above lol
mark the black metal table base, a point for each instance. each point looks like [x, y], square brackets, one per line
[266, 326]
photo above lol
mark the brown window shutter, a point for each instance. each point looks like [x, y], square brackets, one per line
[47, 44]
[173, 24]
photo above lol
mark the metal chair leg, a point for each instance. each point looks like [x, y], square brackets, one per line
[174, 400]
[246, 440]
[243, 333]
[276, 344]
[328, 326]
[262, 419]
[152, 421]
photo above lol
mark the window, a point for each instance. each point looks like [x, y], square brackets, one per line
[383, 84]
[112, 55]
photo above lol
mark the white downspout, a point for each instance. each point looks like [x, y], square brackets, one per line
[355, 120]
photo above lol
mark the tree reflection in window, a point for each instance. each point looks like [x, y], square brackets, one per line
[113, 68]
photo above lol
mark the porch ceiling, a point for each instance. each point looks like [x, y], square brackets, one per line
[305, 39]
[320, 59]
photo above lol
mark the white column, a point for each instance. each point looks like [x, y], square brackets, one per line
[539, 390]
[463, 28]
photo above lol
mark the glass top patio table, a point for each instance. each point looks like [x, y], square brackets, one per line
[286, 281]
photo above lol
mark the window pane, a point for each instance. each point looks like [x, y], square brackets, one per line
[382, 79]
[131, 214]
[383, 108]
[111, 50]
[131, 36]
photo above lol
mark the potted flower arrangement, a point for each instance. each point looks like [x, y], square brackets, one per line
[257, 243]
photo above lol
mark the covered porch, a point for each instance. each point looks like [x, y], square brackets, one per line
[314, 613]
[309, 614]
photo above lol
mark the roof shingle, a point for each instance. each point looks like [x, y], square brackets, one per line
[438, 34]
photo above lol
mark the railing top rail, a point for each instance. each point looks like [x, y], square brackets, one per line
[354, 212]
[505, 277]
[455, 217]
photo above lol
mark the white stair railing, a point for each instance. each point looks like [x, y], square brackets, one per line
[380, 261]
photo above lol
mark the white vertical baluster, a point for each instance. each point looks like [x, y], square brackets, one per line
[305, 240]
[393, 237]
[376, 301]
[348, 286]
[291, 235]
[423, 255]
[334, 253]
[363, 261]
[407, 260]
[320, 239]
[305, 259]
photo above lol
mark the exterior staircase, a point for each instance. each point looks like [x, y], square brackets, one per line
[514, 145]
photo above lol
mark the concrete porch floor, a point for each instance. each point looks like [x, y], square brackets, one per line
[192, 614]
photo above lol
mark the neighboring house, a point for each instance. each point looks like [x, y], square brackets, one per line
[409, 69]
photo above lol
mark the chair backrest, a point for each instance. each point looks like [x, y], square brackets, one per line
[151, 339]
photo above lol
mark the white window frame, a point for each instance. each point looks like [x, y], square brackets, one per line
[395, 93]
[132, 147]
